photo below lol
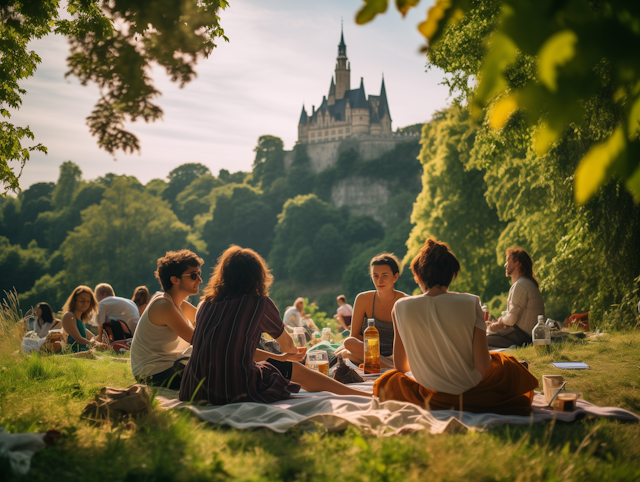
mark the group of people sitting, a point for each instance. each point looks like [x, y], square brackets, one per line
[435, 344]
[115, 317]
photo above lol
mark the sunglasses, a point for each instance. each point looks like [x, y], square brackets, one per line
[194, 275]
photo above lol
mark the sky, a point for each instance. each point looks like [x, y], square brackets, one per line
[280, 55]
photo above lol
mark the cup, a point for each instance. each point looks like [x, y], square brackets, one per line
[551, 384]
[318, 360]
[565, 402]
[302, 349]
[299, 337]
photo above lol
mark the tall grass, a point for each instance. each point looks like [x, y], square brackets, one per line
[11, 324]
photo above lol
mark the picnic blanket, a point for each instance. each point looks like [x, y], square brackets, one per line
[334, 413]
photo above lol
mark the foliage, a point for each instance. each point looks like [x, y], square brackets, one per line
[20, 266]
[121, 238]
[452, 206]
[193, 199]
[568, 42]
[305, 223]
[239, 217]
[114, 45]
[181, 177]
[268, 164]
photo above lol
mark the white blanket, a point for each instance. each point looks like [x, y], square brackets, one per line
[334, 413]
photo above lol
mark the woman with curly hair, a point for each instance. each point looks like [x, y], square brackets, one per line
[226, 365]
[78, 309]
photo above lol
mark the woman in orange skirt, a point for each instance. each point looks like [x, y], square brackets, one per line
[441, 339]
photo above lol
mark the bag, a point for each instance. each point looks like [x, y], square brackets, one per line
[30, 344]
[117, 330]
[117, 403]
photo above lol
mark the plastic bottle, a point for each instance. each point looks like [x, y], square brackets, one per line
[539, 336]
[326, 334]
[549, 325]
[371, 348]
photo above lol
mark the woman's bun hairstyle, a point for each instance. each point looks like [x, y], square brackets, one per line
[435, 264]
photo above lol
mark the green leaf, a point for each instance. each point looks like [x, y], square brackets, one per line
[633, 120]
[438, 16]
[633, 185]
[370, 10]
[596, 166]
[502, 52]
[404, 6]
[558, 49]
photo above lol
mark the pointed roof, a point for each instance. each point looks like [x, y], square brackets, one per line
[359, 97]
[383, 108]
[303, 116]
[332, 88]
[342, 47]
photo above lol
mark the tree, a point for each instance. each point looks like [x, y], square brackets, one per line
[180, 178]
[241, 217]
[121, 238]
[113, 44]
[569, 46]
[194, 199]
[268, 164]
[20, 267]
[452, 206]
[300, 221]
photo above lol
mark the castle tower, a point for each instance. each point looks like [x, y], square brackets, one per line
[343, 69]
[383, 111]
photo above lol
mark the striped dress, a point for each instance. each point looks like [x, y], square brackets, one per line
[225, 339]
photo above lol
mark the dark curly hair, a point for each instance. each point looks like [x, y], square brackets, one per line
[435, 264]
[175, 263]
[240, 271]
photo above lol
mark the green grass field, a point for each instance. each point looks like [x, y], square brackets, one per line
[40, 392]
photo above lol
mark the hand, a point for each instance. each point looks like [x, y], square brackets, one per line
[292, 357]
[306, 315]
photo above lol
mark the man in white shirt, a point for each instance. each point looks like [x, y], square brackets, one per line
[343, 313]
[112, 308]
[524, 303]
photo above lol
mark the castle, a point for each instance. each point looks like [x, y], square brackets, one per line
[345, 113]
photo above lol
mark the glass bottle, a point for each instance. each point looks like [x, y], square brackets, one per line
[539, 336]
[371, 348]
[485, 312]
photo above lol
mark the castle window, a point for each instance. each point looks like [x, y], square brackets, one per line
[360, 117]
[313, 134]
[333, 133]
[326, 133]
[320, 134]
[339, 131]
[348, 130]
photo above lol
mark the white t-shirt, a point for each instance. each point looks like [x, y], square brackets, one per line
[292, 317]
[345, 310]
[437, 334]
[116, 308]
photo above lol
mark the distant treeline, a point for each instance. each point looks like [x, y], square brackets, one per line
[54, 236]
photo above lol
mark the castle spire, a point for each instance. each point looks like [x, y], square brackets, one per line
[303, 116]
[343, 69]
[332, 93]
[383, 108]
[342, 47]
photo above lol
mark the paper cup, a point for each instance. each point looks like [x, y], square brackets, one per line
[551, 384]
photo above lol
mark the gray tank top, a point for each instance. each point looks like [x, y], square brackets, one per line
[385, 330]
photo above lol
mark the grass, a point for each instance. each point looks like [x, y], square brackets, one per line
[40, 392]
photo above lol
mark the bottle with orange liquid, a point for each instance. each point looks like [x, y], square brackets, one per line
[371, 348]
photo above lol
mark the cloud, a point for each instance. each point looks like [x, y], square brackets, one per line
[281, 54]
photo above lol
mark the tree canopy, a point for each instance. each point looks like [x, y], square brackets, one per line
[114, 45]
[574, 51]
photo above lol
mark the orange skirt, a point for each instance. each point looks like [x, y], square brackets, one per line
[507, 389]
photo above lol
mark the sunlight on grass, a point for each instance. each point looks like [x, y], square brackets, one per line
[40, 392]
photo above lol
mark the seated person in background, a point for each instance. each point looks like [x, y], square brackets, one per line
[165, 328]
[441, 339]
[384, 269]
[141, 298]
[45, 320]
[234, 312]
[343, 313]
[78, 309]
[524, 303]
[113, 309]
[294, 316]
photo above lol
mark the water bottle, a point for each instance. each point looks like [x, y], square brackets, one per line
[326, 334]
[485, 312]
[549, 325]
[371, 348]
[539, 336]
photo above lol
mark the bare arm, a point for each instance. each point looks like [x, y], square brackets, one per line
[399, 354]
[71, 329]
[359, 315]
[286, 343]
[189, 311]
[261, 355]
[481, 357]
[164, 313]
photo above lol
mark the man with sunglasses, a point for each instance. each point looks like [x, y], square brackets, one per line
[165, 328]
